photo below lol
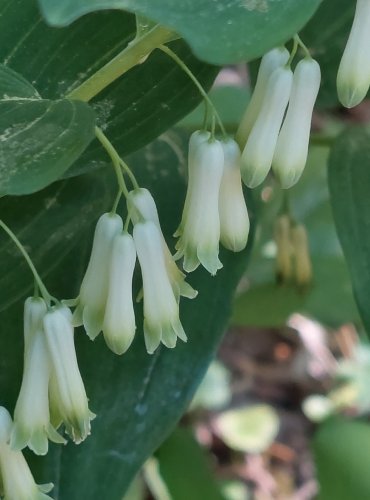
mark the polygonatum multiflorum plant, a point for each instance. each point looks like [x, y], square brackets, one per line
[116, 244]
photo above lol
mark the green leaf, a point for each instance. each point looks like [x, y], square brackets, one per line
[185, 468]
[14, 85]
[138, 398]
[349, 183]
[342, 455]
[135, 109]
[40, 140]
[216, 31]
[329, 299]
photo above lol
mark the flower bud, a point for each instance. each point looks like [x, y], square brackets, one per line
[72, 403]
[303, 268]
[272, 60]
[141, 206]
[119, 320]
[196, 139]
[32, 425]
[353, 78]
[199, 241]
[16, 478]
[234, 220]
[161, 309]
[259, 150]
[283, 248]
[292, 145]
[94, 287]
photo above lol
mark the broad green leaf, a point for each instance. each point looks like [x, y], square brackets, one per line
[136, 108]
[342, 455]
[138, 398]
[349, 183]
[218, 32]
[329, 299]
[186, 468]
[14, 85]
[40, 140]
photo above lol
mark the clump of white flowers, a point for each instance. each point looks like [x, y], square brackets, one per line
[271, 136]
[353, 80]
[52, 392]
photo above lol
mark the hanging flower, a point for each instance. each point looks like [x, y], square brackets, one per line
[259, 150]
[69, 399]
[196, 139]
[16, 478]
[234, 220]
[353, 78]
[161, 309]
[94, 288]
[141, 206]
[32, 425]
[292, 145]
[119, 319]
[200, 234]
[272, 60]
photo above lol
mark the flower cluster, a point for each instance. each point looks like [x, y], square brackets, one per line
[271, 136]
[215, 208]
[52, 393]
[105, 302]
[274, 133]
[353, 79]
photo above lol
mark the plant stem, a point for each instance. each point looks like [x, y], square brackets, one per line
[303, 46]
[130, 173]
[294, 50]
[133, 54]
[114, 156]
[183, 66]
[46, 295]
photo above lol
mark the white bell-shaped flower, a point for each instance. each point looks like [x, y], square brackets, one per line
[292, 145]
[72, 402]
[259, 150]
[234, 220]
[161, 309]
[353, 78]
[119, 320]
[141, 206]
[94, 288]
[16, 478]
[196, 139]
[272, 60]
[32, 425]
[199, 241]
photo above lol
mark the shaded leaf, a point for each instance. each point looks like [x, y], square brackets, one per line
[186, 469]
[267, 23]
[40, 140]
[14, 85]
[349, 183]
[342, 454]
